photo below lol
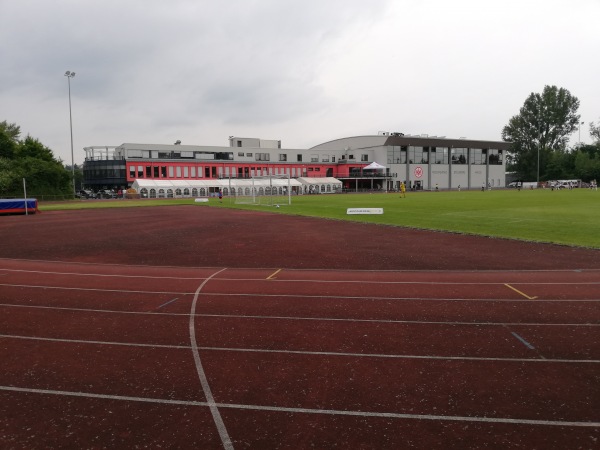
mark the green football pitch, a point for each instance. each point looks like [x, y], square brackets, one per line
[569, 217]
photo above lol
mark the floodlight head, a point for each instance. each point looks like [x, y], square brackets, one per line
[72, 74]
[67, 73]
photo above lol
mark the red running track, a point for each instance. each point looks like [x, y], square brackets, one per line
[102, 356]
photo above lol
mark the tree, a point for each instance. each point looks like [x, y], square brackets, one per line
[542, 126]
[29, 159]
[595, 132]
[32, 148]
[12, 130]
[8, 143]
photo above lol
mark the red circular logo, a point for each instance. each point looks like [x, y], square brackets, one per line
[418, 171]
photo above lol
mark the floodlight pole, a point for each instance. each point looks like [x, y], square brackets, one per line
[70, 75]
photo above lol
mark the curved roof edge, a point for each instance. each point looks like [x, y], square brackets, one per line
[358, 142]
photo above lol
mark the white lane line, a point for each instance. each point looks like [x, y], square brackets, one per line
[370, 297]
[424, 283]
[305, 352]
[214, 409]
[124, 291]
[96, 275]
[272, 277]
[330, 412]
[300, 318]
[145, 266]
[341, 297]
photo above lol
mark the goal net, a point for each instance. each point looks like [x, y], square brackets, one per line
[268, 190]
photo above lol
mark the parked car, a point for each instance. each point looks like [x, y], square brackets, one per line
[85, 193]
[106, 193]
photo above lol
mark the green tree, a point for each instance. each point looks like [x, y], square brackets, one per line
[595, 132]
[586, 163]
[12, 130]
[542, 127]
[8, 144]
[32, 148]
[29, 159]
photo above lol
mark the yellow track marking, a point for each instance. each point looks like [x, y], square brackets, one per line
[272, 276]
[519, 292]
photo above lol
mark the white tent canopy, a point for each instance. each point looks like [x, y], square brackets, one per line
[205, 187]
[323, 185]
[374, 165]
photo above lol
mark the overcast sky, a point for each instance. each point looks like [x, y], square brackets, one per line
[300, 71]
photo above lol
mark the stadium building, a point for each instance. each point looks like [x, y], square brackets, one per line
[378, 162]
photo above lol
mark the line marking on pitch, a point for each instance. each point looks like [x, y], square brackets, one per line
[519, 292]
[272, 276]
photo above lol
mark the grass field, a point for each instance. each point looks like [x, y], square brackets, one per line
[570, 217]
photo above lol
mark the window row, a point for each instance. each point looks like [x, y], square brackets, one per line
[443, 155]
[228, 171]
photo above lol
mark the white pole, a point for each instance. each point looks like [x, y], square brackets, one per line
[25, 194]
[70, 75]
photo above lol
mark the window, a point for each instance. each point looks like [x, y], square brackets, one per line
[415, 155]
[140, 172]
[240, 153]
[495, 157]
[333, 159]
[178, 171]
[239, 143]
[459, 155]
[314, 158]
[156, 172]
[131, 171]
[148, 171]
[248, 154]
[350, 156]
[299, 158]
[262, 157]
[282, 157]
[364, 157]
[325, 158]
[171, 174]
[163, 171]
[478, 156]
[439, 155]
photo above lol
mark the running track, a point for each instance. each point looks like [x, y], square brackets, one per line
[105, 356]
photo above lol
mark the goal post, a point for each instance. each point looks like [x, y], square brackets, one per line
[267, 190]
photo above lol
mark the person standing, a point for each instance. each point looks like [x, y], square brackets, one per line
[403, 190]
[220, 196]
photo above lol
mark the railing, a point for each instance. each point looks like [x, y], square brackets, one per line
[369, 175]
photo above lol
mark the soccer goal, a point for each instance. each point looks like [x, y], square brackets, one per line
[268, 190]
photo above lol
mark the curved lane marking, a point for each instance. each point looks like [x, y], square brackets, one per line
[210, 401]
